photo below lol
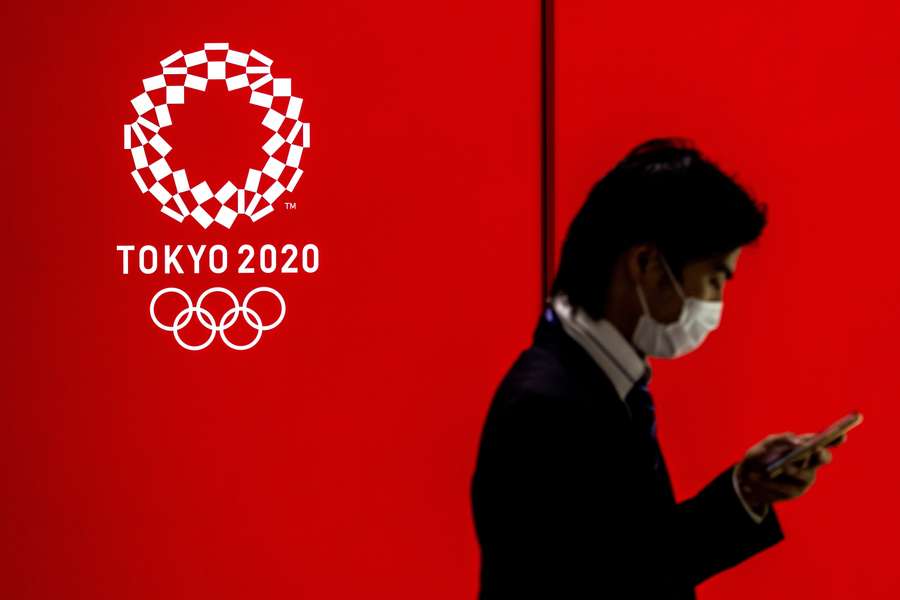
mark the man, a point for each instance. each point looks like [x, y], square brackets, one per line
[571, 495]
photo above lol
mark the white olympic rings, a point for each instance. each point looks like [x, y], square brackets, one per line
[183, 318]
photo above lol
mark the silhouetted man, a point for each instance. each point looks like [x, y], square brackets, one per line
[571, 494]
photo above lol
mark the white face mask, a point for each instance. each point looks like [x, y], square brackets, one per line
[671, 340]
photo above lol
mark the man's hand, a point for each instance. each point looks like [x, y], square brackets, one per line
[759, 490]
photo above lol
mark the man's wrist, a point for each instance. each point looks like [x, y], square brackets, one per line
[756, 512]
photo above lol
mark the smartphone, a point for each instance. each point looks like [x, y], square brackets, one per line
[826, 437]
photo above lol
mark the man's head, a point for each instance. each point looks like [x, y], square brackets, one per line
[666, 222]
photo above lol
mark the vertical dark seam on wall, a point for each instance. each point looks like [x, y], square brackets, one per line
[548, 244]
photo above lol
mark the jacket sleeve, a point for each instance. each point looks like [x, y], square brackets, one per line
[564, 522]
[712, 531]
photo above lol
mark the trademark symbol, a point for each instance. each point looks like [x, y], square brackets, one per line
[290, 206]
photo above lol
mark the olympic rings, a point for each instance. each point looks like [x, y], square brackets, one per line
[251, 317]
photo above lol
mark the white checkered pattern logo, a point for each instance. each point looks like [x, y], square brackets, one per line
[172, 188]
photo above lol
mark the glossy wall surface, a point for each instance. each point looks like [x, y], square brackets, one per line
[333, 459]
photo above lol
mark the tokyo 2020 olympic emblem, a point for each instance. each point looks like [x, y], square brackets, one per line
[173, 189]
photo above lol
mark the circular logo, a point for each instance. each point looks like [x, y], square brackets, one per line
[178, 196]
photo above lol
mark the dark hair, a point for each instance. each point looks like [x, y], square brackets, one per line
[664, 192]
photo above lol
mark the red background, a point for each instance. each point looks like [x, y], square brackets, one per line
[802, 104]
[333, 460]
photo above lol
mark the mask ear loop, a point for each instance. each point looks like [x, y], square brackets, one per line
[665, 264]
[642, 299]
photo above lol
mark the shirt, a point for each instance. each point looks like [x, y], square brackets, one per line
[619, 361]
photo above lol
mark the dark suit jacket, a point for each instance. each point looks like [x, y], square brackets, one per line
[564, 507]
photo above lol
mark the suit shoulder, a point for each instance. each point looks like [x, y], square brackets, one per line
[541, 384]
[538, 387]
[536, 373]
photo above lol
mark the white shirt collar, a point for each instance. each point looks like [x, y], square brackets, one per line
[609, 349]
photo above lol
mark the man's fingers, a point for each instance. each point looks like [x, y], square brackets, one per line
[789, 476]
[785, 486]
[838, 441]
[784, 436]
[776, 449]
[773, 492]
[790, 484]
[796, 477]
[821, 457]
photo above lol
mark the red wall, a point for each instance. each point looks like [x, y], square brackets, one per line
[333, 460]
[801, 101]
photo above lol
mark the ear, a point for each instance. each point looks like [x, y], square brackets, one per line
[642, 264]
